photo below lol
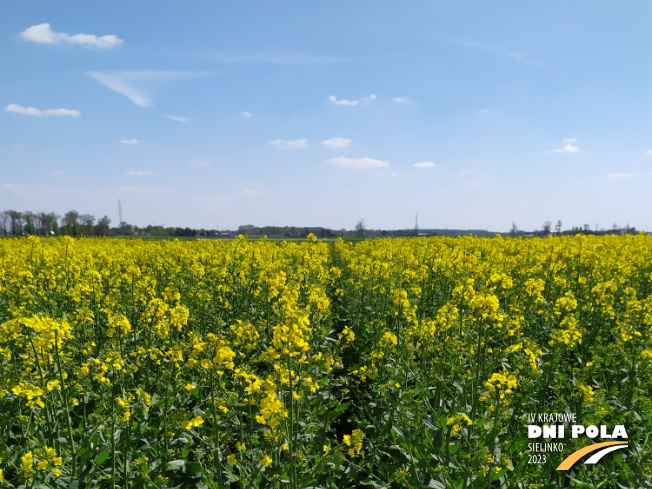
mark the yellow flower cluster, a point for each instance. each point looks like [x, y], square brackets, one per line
[457, 423]
[501, 384]
[354, 441]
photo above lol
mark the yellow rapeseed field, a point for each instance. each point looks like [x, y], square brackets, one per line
[382, 363]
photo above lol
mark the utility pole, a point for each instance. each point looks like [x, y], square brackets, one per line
[120, 214]
[416, 225]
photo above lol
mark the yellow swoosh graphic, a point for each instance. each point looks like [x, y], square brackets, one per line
[569, 461]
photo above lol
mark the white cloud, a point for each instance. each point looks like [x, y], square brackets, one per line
[184, 120]
[19, 109]
[484, 111]
[42, 34]
[128, 83]
[425, 164]
[130, 141]
[296, 144]
[622, 175]
[247, 114]
[199, 163]
[334, 99]
[336, 142]
[362, 163]
[139, 173]
[68, 112]
[649, 152]
[568, 147]
[402, 100]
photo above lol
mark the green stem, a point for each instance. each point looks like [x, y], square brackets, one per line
[64, 395]
[114, 456]
[216, 434]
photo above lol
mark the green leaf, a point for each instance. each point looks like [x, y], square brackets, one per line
[176, 464]
[434, 484]
[101, 458]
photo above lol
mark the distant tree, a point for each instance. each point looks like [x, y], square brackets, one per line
[103, 226]
[15, 217]
[558, 227]
[360, 229]
[28, 222]
[86, 224]
[38, 223]
[51, 224]
[514, 231]
[546, 227]
[126, 229]
[247, 229]
[587, 228]
[4, 217]
[70, 223]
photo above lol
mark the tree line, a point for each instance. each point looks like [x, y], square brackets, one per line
[72, 223]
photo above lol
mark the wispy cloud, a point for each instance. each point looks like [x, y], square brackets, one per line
[247, 114]
[275, 58]
[119, 83]
[296, 144]
[198, 163]
[352, 103]
[568, 147]
[42, 34]
[139, 173]
[622, 175]
[649, 152]
[177, 118]
[361, 163]
[19, 109]
[491, 48]
[129, 141]
[336, 143]
[129, 83]
[402, 100]
[344, 101]
[425, 164]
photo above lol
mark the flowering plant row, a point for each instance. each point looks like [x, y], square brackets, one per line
[383, 363]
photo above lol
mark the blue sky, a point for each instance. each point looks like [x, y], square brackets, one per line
[214, 114]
